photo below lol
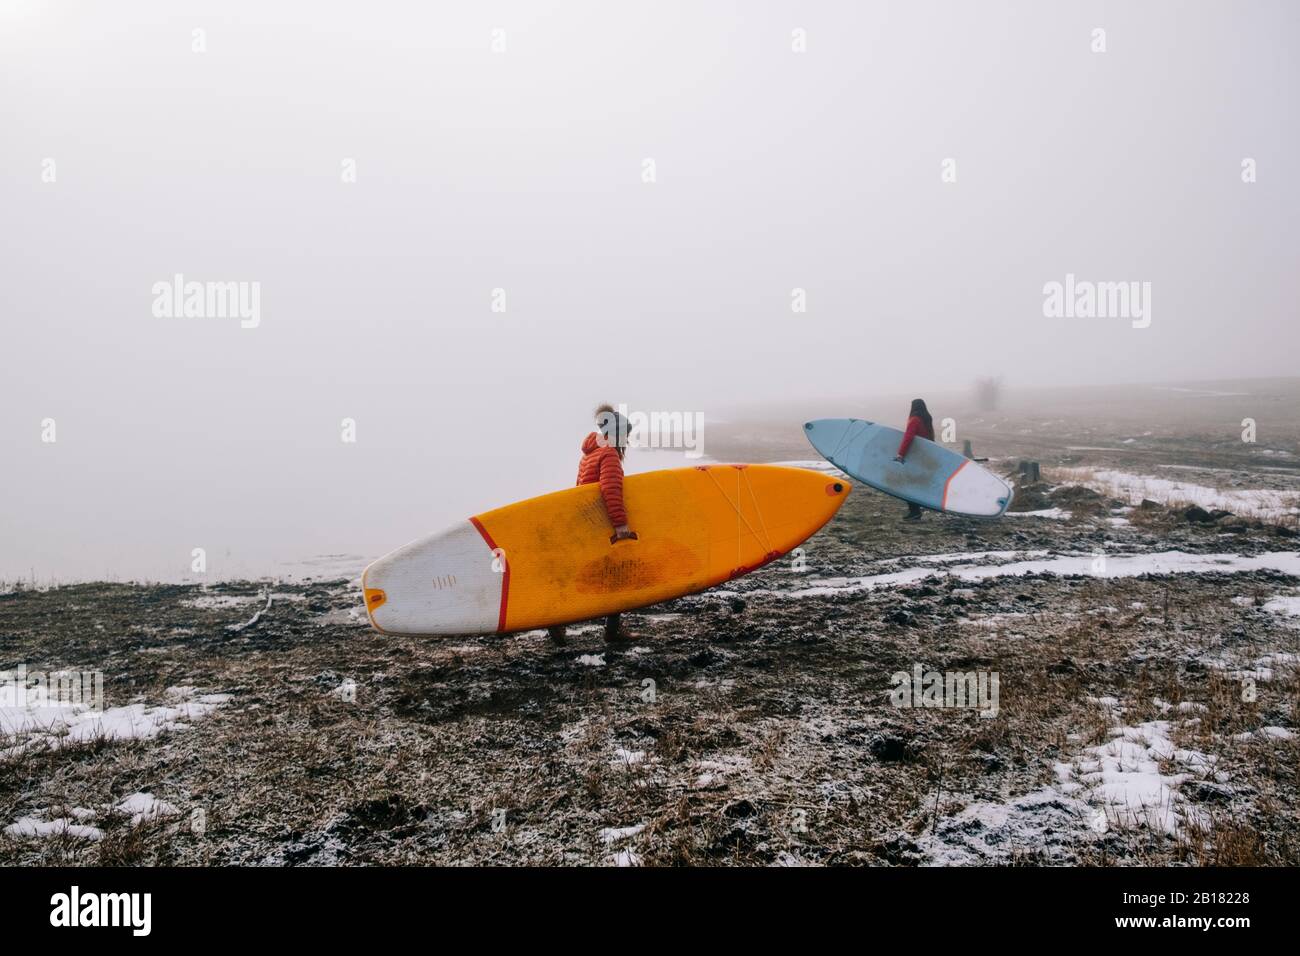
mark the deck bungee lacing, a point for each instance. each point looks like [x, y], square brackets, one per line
[846, 438]
[763, 539]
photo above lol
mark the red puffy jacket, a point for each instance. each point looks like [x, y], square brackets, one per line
[915, 426]
[600, 463]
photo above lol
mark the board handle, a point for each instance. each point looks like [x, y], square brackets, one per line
[613, 538]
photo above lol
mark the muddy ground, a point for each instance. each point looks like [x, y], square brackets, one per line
[747, 726]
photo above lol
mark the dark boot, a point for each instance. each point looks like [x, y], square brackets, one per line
[556, 634]
[614, 628]
[914, 512]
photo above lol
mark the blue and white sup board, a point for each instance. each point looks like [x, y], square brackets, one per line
[931, 476]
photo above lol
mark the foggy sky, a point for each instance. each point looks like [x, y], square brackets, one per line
[522, 170]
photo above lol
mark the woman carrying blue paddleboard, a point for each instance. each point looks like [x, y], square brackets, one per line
[920, 423]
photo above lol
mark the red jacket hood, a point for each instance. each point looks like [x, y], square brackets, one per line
[590, 443]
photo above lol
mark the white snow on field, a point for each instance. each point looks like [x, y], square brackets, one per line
[993, 622]
[1261, 668]
[346, 691]
[570, 630]
[76, 822]
[1124, 778]
[35, 828]
[592, 660]
[966, 557]
[614, 834]
[220, 602]
[1193, 468]
[1053, 514]
[1114, 566]
[575, 732]
[35, 722]
[145, 806]
[236, 628]
[1268, 733]
[786, 858]
[628, 757]
[717, 770]
[1186, 707]
[1132, 781]
[1045, 821]
[1253, 502]
[1278, 659]
[1286, 605]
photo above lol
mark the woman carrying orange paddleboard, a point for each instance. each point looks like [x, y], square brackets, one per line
[602, 463]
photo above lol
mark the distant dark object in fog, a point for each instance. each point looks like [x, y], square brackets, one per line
[988, 394]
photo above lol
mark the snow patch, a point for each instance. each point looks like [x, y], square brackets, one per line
[1114, 566]
[1253, 502]
[34, 723]
[615, 834]
[1286, 605]
[220, 602]
[1125, 779]
[145, 806]
[716, 771]
[1046, 821]
[35, 828]
[1053, 514]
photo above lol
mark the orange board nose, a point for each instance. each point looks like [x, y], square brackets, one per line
[374, 598]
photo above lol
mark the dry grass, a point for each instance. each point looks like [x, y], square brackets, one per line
[771, 739]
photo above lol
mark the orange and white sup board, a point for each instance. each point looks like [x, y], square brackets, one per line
[550, 560]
